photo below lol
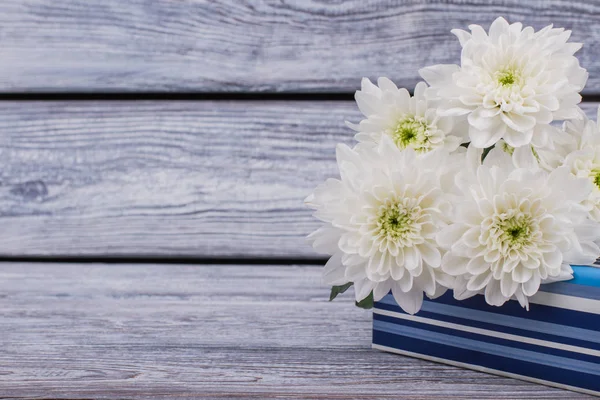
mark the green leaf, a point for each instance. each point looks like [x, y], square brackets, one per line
[366, 303]
[486, 151]
[335, 290]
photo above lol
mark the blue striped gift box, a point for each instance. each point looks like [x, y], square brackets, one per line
[556, 343]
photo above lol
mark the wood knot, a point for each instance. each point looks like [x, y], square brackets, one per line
[30, 191]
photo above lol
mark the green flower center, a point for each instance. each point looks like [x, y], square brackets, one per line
[516, 231]
[506, 78]
[411, 132]
[595, 175]
[396, 221]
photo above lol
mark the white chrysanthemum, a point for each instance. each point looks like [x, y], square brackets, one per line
[584, 159]
[577, 147]
[511, 82]
[381, 221]
[411, 122]
[516, 228]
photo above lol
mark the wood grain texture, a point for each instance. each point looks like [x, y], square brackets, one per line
[253, 45]
[198, 179]
[164, 178]
[154, 331]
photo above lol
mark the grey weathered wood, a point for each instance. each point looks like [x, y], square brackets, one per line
[253, 45]
[195, 179]
[153, 331]
[164, 178]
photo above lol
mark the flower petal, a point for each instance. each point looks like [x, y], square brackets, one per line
[451, 234]
[478, 265]
[531, 286]
[411, 258]
[463, 36]
[362, 288]
[518, 122]
[493, 294]
[411, 302]
[454, 265]
[507, 285]
[523, 158]
[439, 74]
[334, 271]
[382, 289]
[431, 255]
[478, 282]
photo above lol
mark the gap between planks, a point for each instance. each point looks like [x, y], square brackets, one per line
[134, 260]
[210, 96]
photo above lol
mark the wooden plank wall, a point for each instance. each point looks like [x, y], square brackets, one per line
[251, 45]
[203, 178]
[191, 130]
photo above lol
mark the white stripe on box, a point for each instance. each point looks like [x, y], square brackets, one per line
[568, 302]
[505, 320]
[486, 332]
[484, 369]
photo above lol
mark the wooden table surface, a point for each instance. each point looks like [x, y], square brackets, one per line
[154, 155]
[140, 331]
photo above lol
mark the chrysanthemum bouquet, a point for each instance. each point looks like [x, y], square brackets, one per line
[470, 184]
